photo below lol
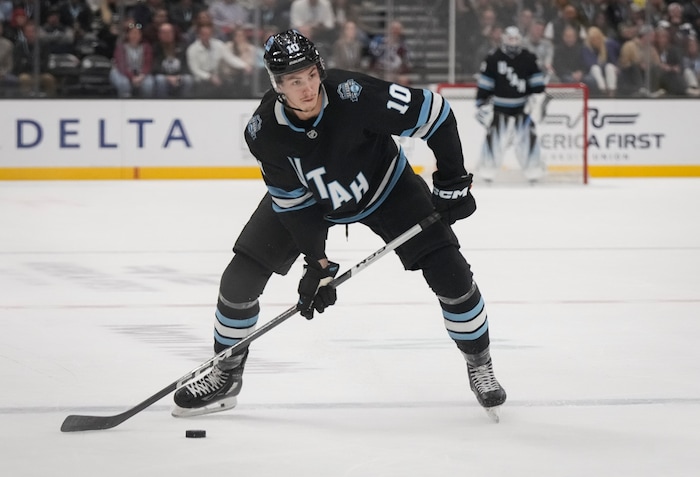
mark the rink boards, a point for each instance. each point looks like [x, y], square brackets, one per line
[203, 139]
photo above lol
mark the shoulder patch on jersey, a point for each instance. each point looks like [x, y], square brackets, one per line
[349, 90]
[254, 125]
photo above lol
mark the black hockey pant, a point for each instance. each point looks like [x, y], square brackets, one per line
[265, 247]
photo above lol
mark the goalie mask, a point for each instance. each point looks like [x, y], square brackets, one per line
[512, 41]
[288, 52]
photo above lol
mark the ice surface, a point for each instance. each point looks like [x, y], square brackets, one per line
[107, 293]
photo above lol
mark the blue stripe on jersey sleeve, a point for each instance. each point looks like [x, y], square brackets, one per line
[284, 200]
[536, 80]
[285, 194]
[443, 115]
[424, 115]
[486, 82]
[307, 203]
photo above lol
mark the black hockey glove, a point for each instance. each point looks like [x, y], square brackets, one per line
[453, 198]
[314, 292]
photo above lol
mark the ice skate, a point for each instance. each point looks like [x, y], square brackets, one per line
[483, 383]
[214, 391]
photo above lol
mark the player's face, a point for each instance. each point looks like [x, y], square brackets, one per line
[301, 89]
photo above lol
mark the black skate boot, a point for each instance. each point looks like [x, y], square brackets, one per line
[214, 391]
[483, 383]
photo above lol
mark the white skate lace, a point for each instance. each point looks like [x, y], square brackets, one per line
[210, 383]
[484, 379]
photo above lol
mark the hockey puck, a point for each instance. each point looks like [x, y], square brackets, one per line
[195, 433]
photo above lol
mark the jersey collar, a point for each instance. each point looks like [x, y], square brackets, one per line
[283, 119]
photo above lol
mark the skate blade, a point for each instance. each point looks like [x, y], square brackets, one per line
[219, 406]
[493, 413]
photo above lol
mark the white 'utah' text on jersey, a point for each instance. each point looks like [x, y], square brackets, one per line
[341, 165]
[509, 80]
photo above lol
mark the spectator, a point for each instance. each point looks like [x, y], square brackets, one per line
[204, 58]
[6, 7]
[691, 64]
[670, 64]
[543, 49]
[274, 14]
[29, 10]
[482, 36]
[568, 57]
[345, 11]
[347, 49]
[545, 10]
[77, 15]
[316, 18]
[525, 20]
[507, 12]
[656, 11]
[639, 62]
[8, 81]
[674, 23]
[191, 34]
[242, 81]
[183, 12]
[600, 56]
[493, 43]
[144, 11]
[588, 10]
[467, 23]
[16, 26]
[600, 20]
[151, 31]
[23, 60]
[172, 76]
[107, 12]
[691, 14]
[55, 36]
[390, 56]
[228, 15]
[618, 12]
[110, 28]
[132, 65]
[568, 16]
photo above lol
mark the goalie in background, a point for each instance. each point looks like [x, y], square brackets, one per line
[510, 99]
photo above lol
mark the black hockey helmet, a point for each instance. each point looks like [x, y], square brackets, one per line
[288, 52]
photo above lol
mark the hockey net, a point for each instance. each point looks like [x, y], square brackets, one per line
[562, 133]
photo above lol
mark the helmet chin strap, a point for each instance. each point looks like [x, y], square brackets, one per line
[283, 100]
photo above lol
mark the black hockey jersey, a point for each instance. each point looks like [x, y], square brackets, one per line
[340, 166]
[509, 80]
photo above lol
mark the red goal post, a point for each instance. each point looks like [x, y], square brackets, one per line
[562, 132]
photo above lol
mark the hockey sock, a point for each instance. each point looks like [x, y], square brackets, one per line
[234, 321]
[466, 321]
[237, 308]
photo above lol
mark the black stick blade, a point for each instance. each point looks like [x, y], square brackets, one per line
[75, 423]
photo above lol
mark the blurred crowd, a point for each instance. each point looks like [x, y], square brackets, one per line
[213, 48]
[619, 48]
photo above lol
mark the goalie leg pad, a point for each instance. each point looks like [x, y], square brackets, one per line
[527, 149]
[498, 139]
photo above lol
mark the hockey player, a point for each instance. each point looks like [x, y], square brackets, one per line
[510, 85]
[323, 139]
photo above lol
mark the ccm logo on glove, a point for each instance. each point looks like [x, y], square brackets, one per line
[453, 198]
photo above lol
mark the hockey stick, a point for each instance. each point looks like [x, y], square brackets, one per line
[74, 423]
